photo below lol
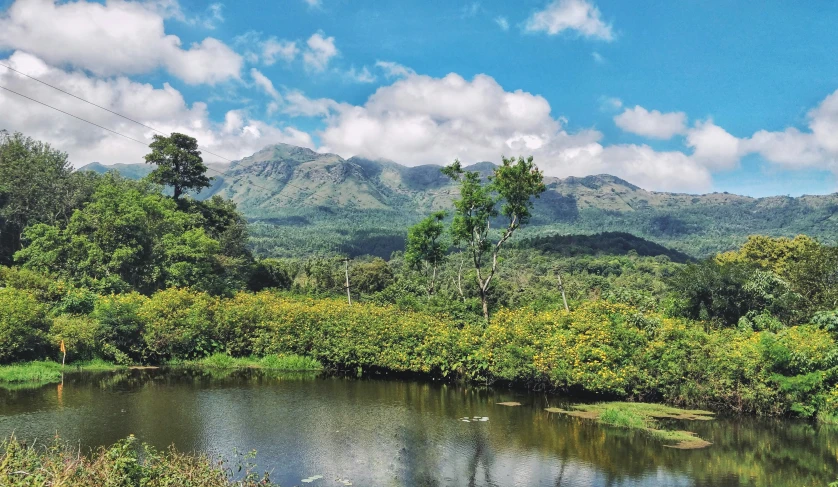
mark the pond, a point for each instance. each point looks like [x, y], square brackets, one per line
[380, 432]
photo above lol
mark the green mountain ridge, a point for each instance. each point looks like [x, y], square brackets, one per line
[324, 203]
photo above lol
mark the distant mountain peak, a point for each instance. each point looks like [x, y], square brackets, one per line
[599, 180]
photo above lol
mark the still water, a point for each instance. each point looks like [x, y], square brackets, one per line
[395, 433]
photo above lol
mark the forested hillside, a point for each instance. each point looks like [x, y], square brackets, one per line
[302, 203]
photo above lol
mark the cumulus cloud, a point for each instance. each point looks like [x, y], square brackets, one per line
[320, 51]
[713, 146]
[394, 70]
[502, 22]
[424, 120]
[579, 16]
[274, 49]
[162, 108]
[653, 124]
[790, 148]
[117, 38]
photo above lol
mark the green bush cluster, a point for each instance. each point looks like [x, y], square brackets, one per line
[600, 347]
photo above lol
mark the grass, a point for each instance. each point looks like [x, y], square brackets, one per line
[289, 363]
[126, 463]
[33, 374]
[623, 419]
[96, 365]
[643, 416]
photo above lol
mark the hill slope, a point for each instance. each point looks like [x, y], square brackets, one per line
[302, 202]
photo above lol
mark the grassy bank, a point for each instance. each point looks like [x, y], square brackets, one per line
[125, 464]
[284, 363]
[46, 372]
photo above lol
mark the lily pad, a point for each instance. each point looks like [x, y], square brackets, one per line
[509, 403]
[311, 479]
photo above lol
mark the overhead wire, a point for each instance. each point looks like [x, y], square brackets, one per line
[138, 123]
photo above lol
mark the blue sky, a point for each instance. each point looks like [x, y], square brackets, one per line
[689, 96]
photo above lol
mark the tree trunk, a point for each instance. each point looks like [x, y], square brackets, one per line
[484, 298]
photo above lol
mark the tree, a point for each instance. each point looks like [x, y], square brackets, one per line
[36, 186]
[131, 237]
[513, 184]
[178, 162]
[425, 247]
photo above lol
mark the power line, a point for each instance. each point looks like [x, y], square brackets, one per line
[134, 121]
[105, 128]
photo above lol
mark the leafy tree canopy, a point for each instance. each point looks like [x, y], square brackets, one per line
[179, 163]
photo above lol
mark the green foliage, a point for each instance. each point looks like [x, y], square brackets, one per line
[178, 162]
[425, 246]
[81, 335]
[513, 184]
[179, 324]
[23, 326]
[131, 237]
[370, 276]
[33, 372]
[125, 464]
[286, 363]
[36, 186]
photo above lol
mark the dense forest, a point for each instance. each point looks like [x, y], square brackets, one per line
[140, 271]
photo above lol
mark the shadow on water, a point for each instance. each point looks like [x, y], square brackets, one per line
[387, 432]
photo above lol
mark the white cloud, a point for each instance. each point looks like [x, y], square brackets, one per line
[314, 3]
[362, 75]
[598, 58]
[638, 164]
[823, 121]
[320, 51]
[580, 16]
[502, 22]
[273, 49]
[424, 120]
[790, 148]
[162, 108]
[394, 70]
[610, 103]
[263, 82]
[652, 124]
[117, 38]
[298, 105]
[713, 146]
[210, 19]
[793, 148]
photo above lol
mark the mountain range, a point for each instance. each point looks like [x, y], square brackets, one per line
[301, 201]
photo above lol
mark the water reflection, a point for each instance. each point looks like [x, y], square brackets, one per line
[379, 432]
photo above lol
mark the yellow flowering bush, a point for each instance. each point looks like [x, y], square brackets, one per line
[600, 347]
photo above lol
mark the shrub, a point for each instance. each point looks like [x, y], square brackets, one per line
[23, 326]
[81, 336]
[121, 327]
[179, 325]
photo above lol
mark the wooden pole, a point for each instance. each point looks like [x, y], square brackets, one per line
[348, 294]
[561, 287]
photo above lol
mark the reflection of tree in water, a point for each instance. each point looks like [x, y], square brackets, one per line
[413, 428]
[481, 456]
